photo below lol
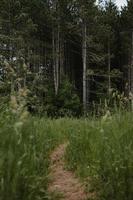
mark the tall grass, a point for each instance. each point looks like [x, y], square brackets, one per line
[103, 151]
[98, 150]
[24, 156]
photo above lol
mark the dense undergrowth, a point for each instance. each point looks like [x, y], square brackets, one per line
[24, 156]
[100, 151]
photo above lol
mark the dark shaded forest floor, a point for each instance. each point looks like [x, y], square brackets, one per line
[63, 182]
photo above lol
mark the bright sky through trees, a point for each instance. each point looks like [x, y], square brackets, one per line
[120, 3]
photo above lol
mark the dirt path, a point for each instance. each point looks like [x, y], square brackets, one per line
[64, 182]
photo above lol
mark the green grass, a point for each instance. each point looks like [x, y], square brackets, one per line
[103, 151]
[99, 150]
[24, 156]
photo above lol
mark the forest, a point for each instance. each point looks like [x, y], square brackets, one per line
[70, 56]
[66, 100]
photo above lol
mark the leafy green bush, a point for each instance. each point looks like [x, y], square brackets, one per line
[65, 103]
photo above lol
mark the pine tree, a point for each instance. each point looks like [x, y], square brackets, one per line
[127, 51]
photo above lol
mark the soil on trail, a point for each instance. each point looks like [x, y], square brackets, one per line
[64, 182]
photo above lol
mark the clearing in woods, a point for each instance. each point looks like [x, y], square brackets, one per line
[63, 181]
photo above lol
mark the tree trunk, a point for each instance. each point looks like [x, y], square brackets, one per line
[57, 59]
[61, 57]
[109, 67]
[84, 57]
[56, 51]
[54, 64]
[131, 75]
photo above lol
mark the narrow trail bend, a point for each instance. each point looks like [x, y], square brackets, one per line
[64, 182]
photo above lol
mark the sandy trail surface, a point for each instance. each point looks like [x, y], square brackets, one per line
[63, 181]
